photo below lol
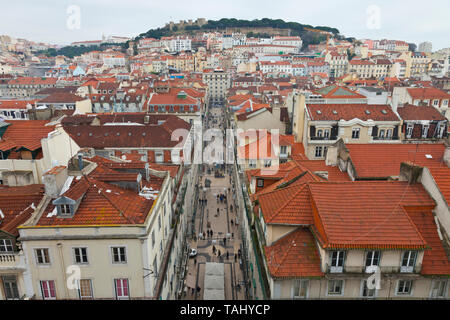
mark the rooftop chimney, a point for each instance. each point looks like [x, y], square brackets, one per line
[54, 180]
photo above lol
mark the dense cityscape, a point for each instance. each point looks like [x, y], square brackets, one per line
[224, 160]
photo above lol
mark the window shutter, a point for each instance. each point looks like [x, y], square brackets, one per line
[395, 134]
[432, 132]
[375, 131]
[334, 131]
[312, 131]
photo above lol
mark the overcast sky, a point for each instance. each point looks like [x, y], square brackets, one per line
[46, 20]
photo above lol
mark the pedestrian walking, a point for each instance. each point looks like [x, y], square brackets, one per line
[228, 255]
[214, 249]
[224, 242]
[218, 253]
[232, 235]
[195, 261]
[231, 221]
[235, 257]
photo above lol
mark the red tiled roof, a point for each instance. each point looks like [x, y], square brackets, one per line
[115, 136]
[15, 204]
[383, 160]
[411, 112]
[334, 173]
[427, 93]
[442, 178]
[351, 111]
[435, 260]
[25, 134]
[102, 204]
[15, 104]
[32, 81]
[368, 214]
[294, 255]
[61, 97]
[290, 205]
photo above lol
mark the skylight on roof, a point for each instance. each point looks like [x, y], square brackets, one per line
[383, 111]
[367, 112]
[319, 112]
[428, 156]
[334, 112]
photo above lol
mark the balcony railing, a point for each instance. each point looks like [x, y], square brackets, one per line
[8, 257]
[332, 138]
[371, 269]
[386, 138]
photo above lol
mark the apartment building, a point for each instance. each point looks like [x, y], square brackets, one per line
[111, 226]
[27, 86]
[28, 148]
[147, 135]
[218, 82]
[322, 242]
[324, 124]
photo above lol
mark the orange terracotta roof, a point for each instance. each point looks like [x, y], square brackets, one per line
[16, 205]
[427, 93]
[101, 204]
[442, 178]
[336, 112]
[334, 173]
[25, 134]
[290, 205]
[368, 214]
[435, 260]
[295, 255]
[383, 160]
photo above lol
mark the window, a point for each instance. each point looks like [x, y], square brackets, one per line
[319, 133]
[365, 291]
[119, 255]
[404, 287]
[326, 133]
[372, 260]
[65, 209]
[436, 103]
[159, 156]
[337, 261]
[10, 287]
[409, 130]
[122, 289]
[80, 255]
[6, 246]
[439, 289]
[389, 133]
[319, 152]
[425, 131]
[48, 290]
[267, 163]
[335, 287]
[85, 289]
[252, 163]
[300, 289]
[283, 149]
[381, 136]
[355, 133]
[260, 183]
[42, 256]
[408, 261]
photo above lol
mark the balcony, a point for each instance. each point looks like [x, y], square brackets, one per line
[332, 138]
[385, 138]
[372, 269]
[12, 261]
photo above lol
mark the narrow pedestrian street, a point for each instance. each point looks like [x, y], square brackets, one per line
[217, 236]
